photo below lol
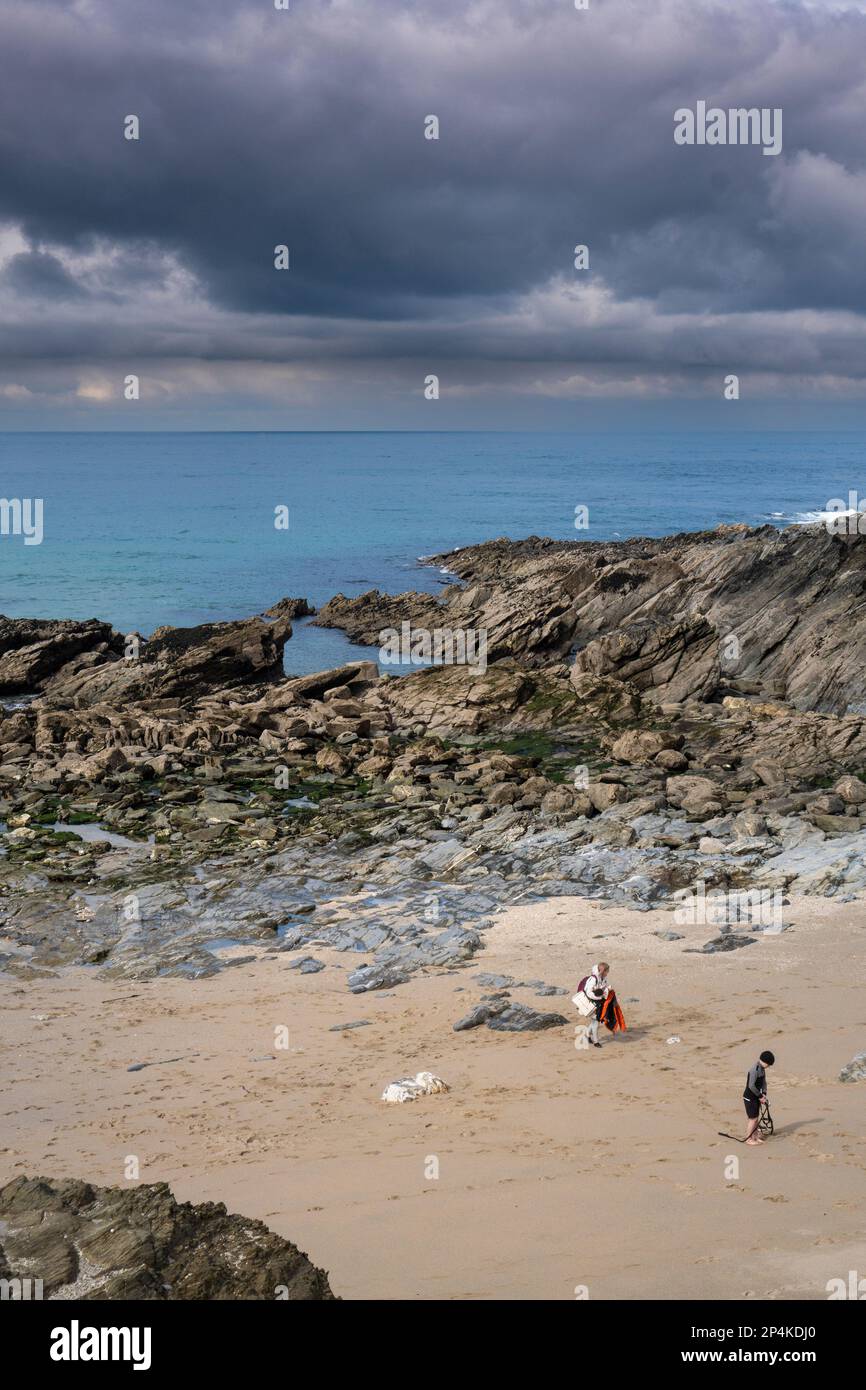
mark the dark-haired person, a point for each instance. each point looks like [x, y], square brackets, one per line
[755, 1095]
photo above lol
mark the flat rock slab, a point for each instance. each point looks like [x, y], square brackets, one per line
[307, 965]
[505, 1017]
[728, 942]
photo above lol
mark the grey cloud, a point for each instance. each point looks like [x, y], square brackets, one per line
[39, 276]
[261, 127]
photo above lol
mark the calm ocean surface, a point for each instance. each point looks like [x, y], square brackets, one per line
[145, 529]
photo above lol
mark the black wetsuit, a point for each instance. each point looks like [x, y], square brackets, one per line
[756, 1087]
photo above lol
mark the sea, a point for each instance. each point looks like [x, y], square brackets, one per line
[147, 529]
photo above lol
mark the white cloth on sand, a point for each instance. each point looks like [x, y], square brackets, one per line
[424, 1084]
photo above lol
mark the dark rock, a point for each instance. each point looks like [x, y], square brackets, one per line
[726, 942]
[506, 1017]
[308, 965]
[290, 608]
[98, 1243]
[34, 649]
[519, 1018]
[480, 1014]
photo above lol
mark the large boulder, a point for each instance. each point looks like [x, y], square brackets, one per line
[34, 649]
[851, 790]
[179, 663]
[139, 1243]
[642, 745]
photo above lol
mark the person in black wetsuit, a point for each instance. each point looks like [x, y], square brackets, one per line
[755, 1095]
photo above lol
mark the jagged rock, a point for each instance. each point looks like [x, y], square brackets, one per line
[462, 699]
[177, 662]
[482, 1013]
[785, 593]
[289, 608]
[99, 1243]
[520, 1018]
[307, 965]
[726, 942]
[667, 661]
[34, 649]
[255, 804]
[506, 1017]
[605, 697]
[855, 1070]
[505, 794]
[356, 675]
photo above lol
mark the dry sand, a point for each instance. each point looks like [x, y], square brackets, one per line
[558, 1167]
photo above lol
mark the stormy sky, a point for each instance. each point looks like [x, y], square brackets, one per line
[411, 257]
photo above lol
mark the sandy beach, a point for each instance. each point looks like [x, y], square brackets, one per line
[559, 1169]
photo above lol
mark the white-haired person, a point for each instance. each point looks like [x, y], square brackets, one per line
[589, 1000]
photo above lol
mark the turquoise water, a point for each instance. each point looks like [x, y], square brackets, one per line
[146, 529]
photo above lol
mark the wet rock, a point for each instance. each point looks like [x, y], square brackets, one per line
[377, 976]
[307, 965]
[726, 942]
[520, 1018]
[394, 963]
[481, 1014]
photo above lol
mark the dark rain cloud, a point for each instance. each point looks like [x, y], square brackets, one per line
[260, 127]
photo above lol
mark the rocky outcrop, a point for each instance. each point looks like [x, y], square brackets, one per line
[176, 663]
[460, 700]
[32, 650]
[607, 751]
[88, 663]
[289, 608]
[672, 661]
[791, 599]
[98, 1243]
